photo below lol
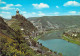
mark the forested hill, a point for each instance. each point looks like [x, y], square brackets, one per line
[56, 22]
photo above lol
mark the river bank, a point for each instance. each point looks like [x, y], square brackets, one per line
[54, 53]
[62, 46]
[69, 39]
[56, 43]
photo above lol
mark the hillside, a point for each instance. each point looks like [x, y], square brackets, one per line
[10, 41]
[13, 43]
[56, 22]
[19, 22]
[72, 35]
[5, 29]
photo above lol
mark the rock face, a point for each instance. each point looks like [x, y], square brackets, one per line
[19, 22]
[5, 29]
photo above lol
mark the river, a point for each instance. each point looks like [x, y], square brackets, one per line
[54, 42]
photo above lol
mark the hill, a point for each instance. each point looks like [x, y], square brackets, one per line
[19, 22]
[13, 43]
[5, 29]
[56, 22]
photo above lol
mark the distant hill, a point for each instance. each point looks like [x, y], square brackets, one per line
[56, 22]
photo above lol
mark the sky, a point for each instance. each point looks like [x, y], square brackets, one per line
[39, 8]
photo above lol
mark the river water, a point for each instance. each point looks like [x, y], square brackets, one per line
[54, 42]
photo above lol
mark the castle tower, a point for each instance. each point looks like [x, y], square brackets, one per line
[17, 12]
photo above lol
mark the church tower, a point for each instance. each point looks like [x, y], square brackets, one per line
[17, 12]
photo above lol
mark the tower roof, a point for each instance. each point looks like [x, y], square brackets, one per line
[17, 11]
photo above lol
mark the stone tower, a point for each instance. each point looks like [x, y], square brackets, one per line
[17, 12]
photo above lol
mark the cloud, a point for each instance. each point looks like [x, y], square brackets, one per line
[33, 13]
[18, 9]
[6, 8]
[1, 2]
[41, 13]
[9, 6]
[6, 15]
[72, 12]
[1, 15]
[78, 12]
[23, 12]
[57, 6]
[18, 5]
[5, 12]
[41, 5]
[72, 3]
[56, 13]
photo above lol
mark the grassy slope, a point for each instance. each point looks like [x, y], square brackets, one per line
[14, 24]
